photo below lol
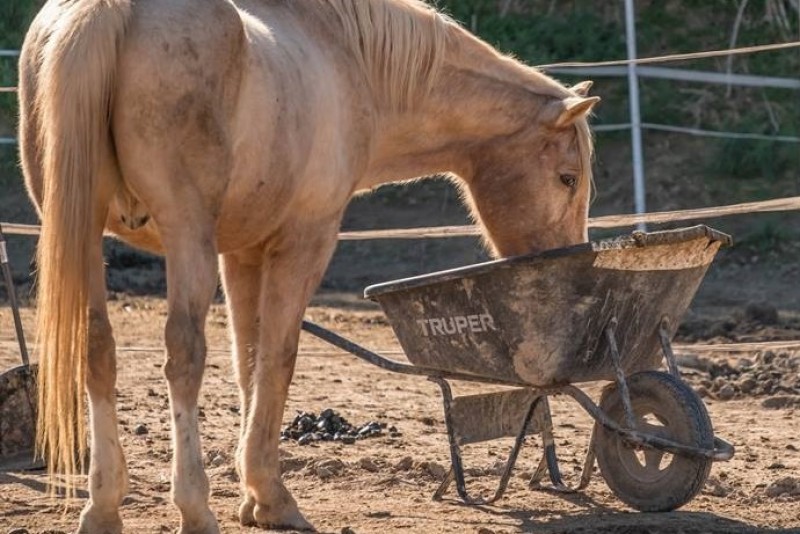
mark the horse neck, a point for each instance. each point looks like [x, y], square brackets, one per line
[479, 96]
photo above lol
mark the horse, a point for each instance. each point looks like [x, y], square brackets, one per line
[229, 136]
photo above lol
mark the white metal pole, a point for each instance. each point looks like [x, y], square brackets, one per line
[636, 120]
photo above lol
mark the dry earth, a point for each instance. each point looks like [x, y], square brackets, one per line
[385, 484]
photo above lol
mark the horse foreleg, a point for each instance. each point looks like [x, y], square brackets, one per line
[191, 282]
[292, 272]
[108, 475]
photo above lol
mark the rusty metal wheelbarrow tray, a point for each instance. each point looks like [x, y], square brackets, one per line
[605, 310]
[541, 319]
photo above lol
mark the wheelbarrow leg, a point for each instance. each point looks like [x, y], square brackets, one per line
[622, 384]
[456, 472]
[666, 348]
[549, 461]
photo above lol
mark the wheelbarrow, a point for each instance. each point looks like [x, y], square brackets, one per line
[17, 393]
[542, 323]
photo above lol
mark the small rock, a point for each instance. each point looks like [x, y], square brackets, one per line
[329, 468]
[435, 470]
[776, 465]
[405, 464]
[692, 361]
[726, 392]
[747, 385]
[781, 401]
[18, 531]
[140, 430]
[784, 486]
[484, 530]
[290, 465]
[348, 530]
[380, 514]
[324, 473]
[428, 421]
[766, 357]
[217, 460]
[369, 464]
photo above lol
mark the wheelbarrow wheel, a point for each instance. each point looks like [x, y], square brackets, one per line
[651, 480]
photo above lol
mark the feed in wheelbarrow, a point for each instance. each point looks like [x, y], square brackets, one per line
[600, 311]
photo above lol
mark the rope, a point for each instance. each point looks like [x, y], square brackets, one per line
[697, 132]
[605, 221]
[675, 57]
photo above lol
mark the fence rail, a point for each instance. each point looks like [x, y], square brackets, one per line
[685, 75]
[605, 221]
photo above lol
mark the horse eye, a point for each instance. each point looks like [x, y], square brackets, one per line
[570, 180]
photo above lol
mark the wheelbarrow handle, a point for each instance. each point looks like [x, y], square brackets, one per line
[12, 296]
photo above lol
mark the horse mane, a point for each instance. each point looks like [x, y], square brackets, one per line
[400, 46]
[398, 43]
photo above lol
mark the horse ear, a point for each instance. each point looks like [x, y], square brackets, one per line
[582, 88]
[573, 108]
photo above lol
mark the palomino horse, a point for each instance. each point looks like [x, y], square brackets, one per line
[213, 130]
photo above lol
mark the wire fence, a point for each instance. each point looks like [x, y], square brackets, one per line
[610, 68]
[616, 68]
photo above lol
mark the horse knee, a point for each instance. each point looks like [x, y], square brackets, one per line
[102, 365]
[185, 344]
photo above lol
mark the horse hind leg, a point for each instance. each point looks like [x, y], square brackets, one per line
[292, 272]
[191, 283]
[108, 475]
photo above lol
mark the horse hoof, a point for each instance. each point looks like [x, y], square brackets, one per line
[288, 518]
[246, 516]
[93, 522]
[208, 525]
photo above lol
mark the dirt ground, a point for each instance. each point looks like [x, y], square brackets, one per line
[384, 484]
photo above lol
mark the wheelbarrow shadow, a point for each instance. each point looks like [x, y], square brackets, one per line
[596, 518]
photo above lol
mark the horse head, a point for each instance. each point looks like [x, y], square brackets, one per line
[530, 190]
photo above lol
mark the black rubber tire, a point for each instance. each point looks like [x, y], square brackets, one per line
[683, 418]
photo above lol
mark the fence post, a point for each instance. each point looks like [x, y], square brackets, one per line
[636, 120]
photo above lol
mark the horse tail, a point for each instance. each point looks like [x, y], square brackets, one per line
[74, 97]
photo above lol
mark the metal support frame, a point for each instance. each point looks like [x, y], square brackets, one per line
[622, 384]
[666, 348]
[457, 465]
[549, 462]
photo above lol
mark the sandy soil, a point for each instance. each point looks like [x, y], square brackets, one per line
[385, 484]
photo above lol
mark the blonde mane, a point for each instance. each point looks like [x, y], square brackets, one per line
[399, 44]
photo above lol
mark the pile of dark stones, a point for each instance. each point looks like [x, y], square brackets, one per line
[769, 373]
[307, 428]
